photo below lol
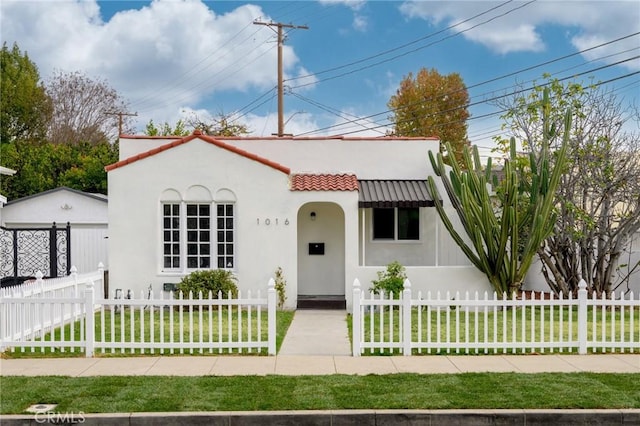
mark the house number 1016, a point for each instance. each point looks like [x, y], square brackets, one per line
[268, 221]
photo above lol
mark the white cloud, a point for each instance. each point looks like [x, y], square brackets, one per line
[521, 30]
[352, 4]
[165, 54]
[360, 21]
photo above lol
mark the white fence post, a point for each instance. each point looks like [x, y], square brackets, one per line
[101, 272]
[271, 317]
[582, 317]
[406, 318]
[73, 273]
[89, 320]
[39, 282]
[355, 319]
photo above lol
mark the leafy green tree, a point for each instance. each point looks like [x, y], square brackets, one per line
[87, 173]
[166, 130]
[42, 166]
[25, 109]
[598, 196]
[505, 231]
[432, 104]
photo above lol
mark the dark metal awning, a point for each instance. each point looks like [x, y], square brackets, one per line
[394, 193]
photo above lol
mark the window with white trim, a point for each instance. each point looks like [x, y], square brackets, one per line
[171, 236]
[198, 236]
[193, 240]
[399, 223]
[226, 240]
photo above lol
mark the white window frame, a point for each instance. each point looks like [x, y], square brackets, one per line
[213, 242]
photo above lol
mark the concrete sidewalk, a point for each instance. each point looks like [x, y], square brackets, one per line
[317, 365]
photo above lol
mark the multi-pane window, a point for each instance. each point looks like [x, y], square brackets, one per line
[402, 223]
[207, 240]
[171, 235]
[198, 236]
[225, 230]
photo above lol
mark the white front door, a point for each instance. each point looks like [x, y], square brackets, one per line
[321, 255]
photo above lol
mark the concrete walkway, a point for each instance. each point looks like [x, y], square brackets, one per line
[317, 332]
[317, 365]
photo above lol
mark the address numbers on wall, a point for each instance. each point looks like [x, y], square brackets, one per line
[276, 221]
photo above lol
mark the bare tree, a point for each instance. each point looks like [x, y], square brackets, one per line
[598, 199]
[85, 110]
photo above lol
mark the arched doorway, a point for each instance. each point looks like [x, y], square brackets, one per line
[321, 256]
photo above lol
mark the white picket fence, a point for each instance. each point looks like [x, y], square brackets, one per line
[464, 323]
[148, 324]
[28, 310]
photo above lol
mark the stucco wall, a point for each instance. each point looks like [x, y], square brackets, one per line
[269, 228]
[135, 217]
[368, 159]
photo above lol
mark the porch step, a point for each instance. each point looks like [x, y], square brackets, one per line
[322, 302]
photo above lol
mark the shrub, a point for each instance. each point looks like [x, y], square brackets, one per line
[214, 280]
[391, 280]
[280, 287]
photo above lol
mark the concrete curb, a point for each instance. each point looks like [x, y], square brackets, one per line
[526, 417]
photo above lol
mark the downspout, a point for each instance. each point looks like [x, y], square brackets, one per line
[362, 220]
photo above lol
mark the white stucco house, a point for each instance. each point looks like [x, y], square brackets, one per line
[85, 213]
[326, 210]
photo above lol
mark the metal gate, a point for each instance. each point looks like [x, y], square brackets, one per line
[25, 251]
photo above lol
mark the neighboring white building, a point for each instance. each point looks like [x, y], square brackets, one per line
[325, 210]
[86, 213]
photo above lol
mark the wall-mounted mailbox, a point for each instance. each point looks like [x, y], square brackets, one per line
[169, 286]
[316, 248]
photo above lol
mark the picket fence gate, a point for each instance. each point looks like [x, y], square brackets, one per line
[71, 318]
[464, 323]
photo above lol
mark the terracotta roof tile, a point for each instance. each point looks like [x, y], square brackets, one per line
[324, 182]
[198, 135]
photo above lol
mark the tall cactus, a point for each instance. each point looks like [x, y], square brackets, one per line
[504, 230]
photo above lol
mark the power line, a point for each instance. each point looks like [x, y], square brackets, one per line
[395, 49]
[281, 39]
[416, 49]
[504, 76]
[485, 100]
[120, 114]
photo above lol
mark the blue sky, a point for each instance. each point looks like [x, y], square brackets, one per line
[171, 58]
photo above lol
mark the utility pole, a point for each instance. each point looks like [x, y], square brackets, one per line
[280, 26]
[120, 114]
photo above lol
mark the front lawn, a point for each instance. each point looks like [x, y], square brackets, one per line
[335, 392]
[118, 327]
[499, 329]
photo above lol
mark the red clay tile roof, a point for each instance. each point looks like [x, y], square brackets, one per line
[324, 182]
[198, 135]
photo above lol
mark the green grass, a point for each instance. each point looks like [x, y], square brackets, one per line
[398, 391]
[119, 327]
[500, 326]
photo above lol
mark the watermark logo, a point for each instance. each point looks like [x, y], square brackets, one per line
[52, 417]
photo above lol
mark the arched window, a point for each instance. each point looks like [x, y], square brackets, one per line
[198, 231]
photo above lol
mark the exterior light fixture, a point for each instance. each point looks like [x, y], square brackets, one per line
[313, 215]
